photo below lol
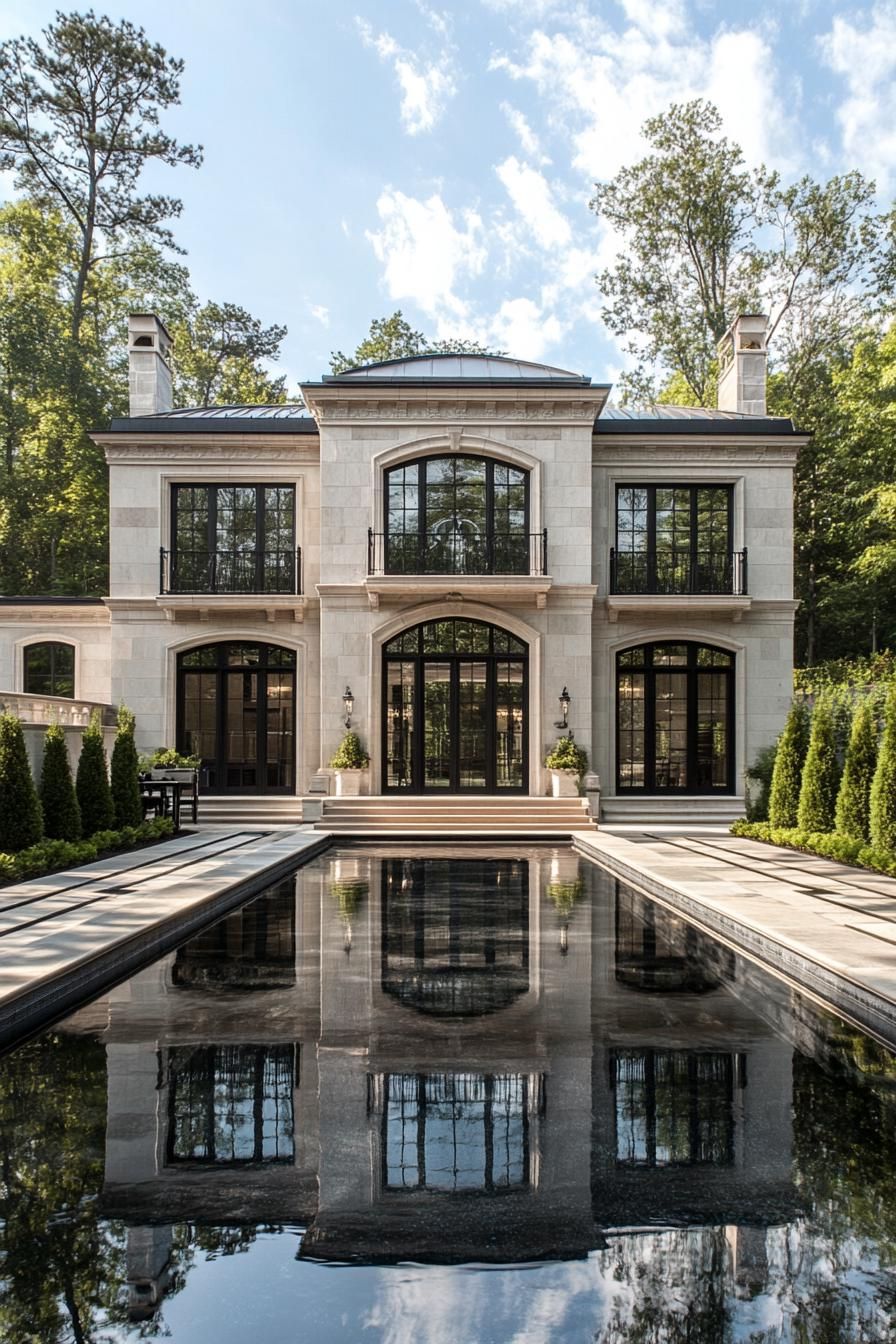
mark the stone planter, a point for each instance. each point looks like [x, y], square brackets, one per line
[564, 784]
[178, 773]
[351, 783]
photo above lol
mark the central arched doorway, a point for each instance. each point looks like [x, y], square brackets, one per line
[455, 709]
[236, 710]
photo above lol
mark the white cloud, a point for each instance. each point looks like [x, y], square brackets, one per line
[427, 85]
[321, 313]
[425, 250]
[531, 194]
[527, 137]
[865, 55]
[524, 328]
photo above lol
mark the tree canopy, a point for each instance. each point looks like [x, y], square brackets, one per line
[394, 338]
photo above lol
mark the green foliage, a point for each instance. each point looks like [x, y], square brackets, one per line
[821, 773]
[883, 788]
[62, 816]
[350, 755]
[760, 772]
[394, 338]
[21, 821]
[348, 897]
[566, 754]
[92, 781]
[828, 845]
[565, 896]
[166, 758]
[127, 803]
[853, 815]
[218, 355]
[787, 774]
[50, 856]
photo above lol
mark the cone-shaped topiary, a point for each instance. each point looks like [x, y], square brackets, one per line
[853, 815]
[788, 772]
[126, 798]
[883, 789]
[21, 820]
[821, 772]
[62, 816]
[92, 781]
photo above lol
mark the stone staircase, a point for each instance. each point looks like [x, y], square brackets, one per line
[672, 811]
[455, 815]
[249, 810]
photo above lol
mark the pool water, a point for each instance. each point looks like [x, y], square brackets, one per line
[449, 1097]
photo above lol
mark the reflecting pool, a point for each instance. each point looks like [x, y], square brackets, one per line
[449, 1097]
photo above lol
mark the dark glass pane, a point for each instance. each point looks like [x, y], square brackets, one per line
[472, 725]
[713, 658]
[668, 655]
[230, 1104]
[712, 730]
[243, 655]
[438, 746]
[50, 670]
[399, 724]
[279, 704]
[510, 717]
[673, 1108]
[670, 748]
[206, 656]
[631, 727]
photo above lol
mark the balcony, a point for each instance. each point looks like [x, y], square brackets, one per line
[687, 580]
[249, 580]
[463, 563]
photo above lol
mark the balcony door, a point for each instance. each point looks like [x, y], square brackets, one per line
[675, 720]
[233, 539]
[675, 539]
[236, 711]
[455, 708]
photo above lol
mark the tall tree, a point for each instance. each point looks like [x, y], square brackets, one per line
[79, 121]
[394, 338]
[219, 351]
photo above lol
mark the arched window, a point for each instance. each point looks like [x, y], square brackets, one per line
[675, 719]
[457, 515]
[49, 670]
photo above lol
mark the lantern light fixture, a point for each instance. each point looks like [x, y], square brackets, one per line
[348, 701]
[563, 721]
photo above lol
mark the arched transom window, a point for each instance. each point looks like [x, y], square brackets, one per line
[49, 669]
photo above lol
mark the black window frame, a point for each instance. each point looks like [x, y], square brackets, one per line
[652, 583]
[287, 573]
[54, 646]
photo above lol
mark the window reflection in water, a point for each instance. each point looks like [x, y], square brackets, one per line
[659, 953]
[456, 1131]
[231, 1104]
[673, 1108]
[253, 948]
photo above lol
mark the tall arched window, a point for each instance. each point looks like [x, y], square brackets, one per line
[457, 515]
[49, 669]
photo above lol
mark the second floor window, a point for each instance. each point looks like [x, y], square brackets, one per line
[456, 515]
[233, 539]
[50, 669]
[673, 539]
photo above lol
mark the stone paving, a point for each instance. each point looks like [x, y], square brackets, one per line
[64, 934]
[829, 927]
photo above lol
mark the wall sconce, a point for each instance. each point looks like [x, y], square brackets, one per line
[348, 701]
[563, 721]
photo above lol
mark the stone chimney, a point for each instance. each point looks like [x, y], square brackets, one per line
[149, 370]
[743, 360]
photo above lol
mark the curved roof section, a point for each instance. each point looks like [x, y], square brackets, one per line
[459, 368]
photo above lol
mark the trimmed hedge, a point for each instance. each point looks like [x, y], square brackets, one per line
[883, 788]
[821, 773]
[827, 845]
[92, 781]
[21, 817]
[62, 815]
[51, 855]
[126, 800]
[853, 815]
[784, 799]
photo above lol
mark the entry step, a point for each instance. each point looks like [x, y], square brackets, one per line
[456, 814]
[673, 809]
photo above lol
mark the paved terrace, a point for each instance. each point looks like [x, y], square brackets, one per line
[828, 927]
[64, 935]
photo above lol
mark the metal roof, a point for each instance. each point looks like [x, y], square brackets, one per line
[459, 368]
[282, 418]
[662, 419]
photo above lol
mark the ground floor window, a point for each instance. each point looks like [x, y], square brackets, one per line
[49, 669]
[236, 710]
[675, 719]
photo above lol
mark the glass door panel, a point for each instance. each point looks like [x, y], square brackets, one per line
[473, 734]
[671, 730]
[280, 753]
[631, 709]
[241, 730]
[200, 711]
[399, 725]
[437, 737]
[509, 722]
[712, 730]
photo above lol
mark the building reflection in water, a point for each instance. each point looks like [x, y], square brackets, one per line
[465, 1085]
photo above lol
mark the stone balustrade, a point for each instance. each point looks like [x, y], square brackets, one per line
[45, 709]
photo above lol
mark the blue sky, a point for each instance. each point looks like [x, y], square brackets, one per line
[364, 155]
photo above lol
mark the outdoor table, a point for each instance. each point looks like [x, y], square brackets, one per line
[171, 791]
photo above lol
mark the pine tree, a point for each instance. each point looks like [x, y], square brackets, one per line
[126, 798]
[883, 789]
[62, 816]
[21, 821]
[788, 772]
[853, 815]
[92, 782]
[821, 773]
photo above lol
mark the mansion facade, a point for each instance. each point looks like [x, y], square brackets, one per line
[454, 554]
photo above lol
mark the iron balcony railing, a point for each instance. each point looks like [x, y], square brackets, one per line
[678, 572]
[457, 552]
[230, 571]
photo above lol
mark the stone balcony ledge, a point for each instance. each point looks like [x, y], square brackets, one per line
[510, 589]
[660, 604]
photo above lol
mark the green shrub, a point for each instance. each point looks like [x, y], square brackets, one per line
[92, 781]
[784, 797]
[821, 773]
[50, 856]
[350, 755]
[62, 816]
[126, 800]
[567, 755]
[761, 772]
[853, 815]
[21, 820]
[167, 758]
[882, 826]
[843, 848]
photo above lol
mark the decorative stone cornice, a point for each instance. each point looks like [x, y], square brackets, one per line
[629, 451]
[150, 452]
[426, 410]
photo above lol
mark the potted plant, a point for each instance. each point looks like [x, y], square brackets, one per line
[350, 764]
[166, 763]
[567, 763]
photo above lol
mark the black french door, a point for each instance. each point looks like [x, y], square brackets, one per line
[236, 711]
[455, 698]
